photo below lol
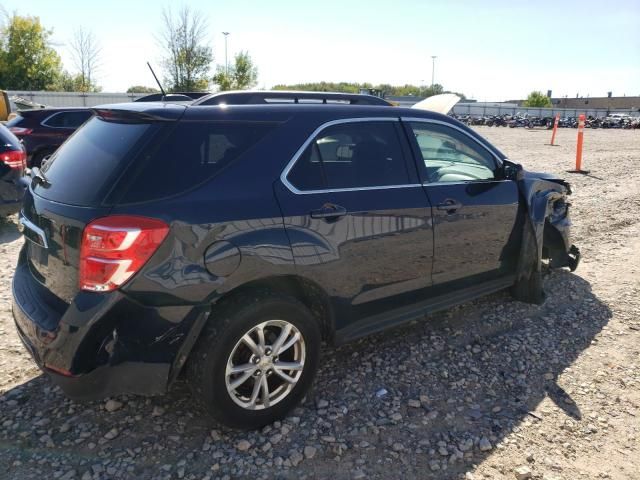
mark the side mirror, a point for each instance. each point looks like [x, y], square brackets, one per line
[510, 170]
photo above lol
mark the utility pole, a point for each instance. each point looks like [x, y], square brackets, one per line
[226, 58]
[433, 69]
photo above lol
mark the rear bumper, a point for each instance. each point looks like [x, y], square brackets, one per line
[139, 378]
[100, 344]
[131, 377]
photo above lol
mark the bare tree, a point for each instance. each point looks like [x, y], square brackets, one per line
[86, 57]
[187, 58]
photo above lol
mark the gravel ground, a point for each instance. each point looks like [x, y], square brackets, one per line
[493, 389]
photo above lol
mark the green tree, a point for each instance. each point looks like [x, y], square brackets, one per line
[27, 62]
[537, 99]
[342, 87]
[244, 71]
[243, 74]
[141, 89]
[187, 60]
[383, 88]
[68, 82]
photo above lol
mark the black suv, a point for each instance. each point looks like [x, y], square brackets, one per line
[228, 241]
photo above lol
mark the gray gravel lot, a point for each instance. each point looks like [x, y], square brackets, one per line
[493, 389]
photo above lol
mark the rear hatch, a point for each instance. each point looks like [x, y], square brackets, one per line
[76, 187]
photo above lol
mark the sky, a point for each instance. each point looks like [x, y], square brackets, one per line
[489, 50]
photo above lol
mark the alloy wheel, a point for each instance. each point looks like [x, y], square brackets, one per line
[265, 365]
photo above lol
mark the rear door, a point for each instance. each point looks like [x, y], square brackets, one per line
[357, 218]
[474, 209]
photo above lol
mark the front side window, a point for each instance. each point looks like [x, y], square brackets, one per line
[352, 155]
[451, 156]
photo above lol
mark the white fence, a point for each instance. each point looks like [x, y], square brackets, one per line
[77, 99]
[74, 99]
[479, 110]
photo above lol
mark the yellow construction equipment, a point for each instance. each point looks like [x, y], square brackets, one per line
[5, 106]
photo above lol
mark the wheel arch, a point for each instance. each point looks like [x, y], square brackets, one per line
[306, 291]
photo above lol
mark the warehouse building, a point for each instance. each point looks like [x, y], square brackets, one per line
[600, 103]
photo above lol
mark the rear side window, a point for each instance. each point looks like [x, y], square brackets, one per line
[352, 155]
[83, 169]
[67, 119]
[191, 154]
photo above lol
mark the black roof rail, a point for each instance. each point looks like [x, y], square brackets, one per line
[269, 97]
[172, 97]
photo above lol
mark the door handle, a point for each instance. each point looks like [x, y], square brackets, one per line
[329, 211]
[449, 205]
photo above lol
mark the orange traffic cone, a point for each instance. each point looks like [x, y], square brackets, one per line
[579, 146]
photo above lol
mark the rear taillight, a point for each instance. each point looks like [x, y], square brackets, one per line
[20, 131]
[115, 248]
[15, 159]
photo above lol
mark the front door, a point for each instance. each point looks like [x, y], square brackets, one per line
[358, 219]
[474, 209]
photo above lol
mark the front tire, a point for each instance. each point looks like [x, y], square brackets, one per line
[255, 359]
[529, 289]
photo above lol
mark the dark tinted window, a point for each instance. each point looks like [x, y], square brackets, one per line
[307, 173]
[192, 153]
[450, 155]
[82, 170]
[67, 119]
[352, 155]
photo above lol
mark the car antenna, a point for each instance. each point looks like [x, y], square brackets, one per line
[157, 81]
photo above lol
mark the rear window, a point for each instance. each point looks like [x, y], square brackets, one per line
[192, 153]
[82, 170]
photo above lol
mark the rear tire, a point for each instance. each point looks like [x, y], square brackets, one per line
[238, 399]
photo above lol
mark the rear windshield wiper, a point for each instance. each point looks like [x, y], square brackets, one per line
[39, 177]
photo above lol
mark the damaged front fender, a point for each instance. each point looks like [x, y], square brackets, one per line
[546, 231]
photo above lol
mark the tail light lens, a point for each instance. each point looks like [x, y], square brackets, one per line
[15, 159]
[20, 131]
[114, 248]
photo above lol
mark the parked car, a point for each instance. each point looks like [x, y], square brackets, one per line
[44, 130]
[13, 162]
[229, 242]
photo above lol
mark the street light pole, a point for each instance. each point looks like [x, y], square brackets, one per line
[226, 58]
[433, 69]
